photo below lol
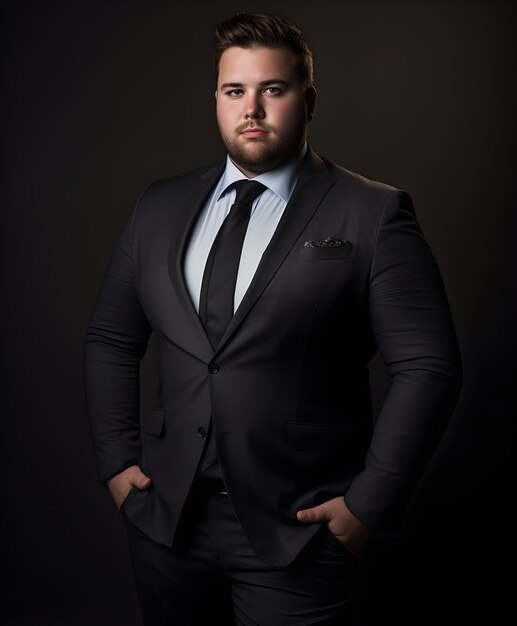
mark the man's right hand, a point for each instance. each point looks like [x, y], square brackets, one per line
[121, 484]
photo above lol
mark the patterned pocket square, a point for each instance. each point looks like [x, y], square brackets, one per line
[329, 242]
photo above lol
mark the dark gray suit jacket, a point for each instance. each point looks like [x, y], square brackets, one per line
[287, 388]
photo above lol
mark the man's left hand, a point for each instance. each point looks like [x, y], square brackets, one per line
[352, 533]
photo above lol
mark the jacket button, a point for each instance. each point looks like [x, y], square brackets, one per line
[201, 431]
[213, 368]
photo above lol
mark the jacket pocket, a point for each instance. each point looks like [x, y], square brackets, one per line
[326, 254]
[316, 436]
[155, 423]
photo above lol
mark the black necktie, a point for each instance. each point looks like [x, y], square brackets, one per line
[220, 275]
[218, 287]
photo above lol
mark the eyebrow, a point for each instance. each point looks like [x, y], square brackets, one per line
[264, 83]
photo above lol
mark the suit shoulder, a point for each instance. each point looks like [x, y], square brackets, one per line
[365, 196]
[358, 182]
[182, 181]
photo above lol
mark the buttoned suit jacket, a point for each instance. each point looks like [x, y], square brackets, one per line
[287, 388]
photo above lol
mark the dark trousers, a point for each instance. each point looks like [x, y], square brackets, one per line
[212, 575]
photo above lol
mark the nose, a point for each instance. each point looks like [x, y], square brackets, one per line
[253, 106]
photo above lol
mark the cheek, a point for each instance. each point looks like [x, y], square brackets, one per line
[287, 114]
[224, 117]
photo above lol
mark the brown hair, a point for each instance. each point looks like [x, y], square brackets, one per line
[247, 30]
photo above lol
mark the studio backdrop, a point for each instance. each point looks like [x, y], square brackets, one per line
[100, 98]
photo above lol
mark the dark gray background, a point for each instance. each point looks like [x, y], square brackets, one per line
[101, 98]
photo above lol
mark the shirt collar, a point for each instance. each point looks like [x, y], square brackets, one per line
[281, 180]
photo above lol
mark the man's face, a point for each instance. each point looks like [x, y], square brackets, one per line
[262, 110]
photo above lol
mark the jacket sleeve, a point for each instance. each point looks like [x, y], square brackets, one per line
[115, 342]
[415, 336]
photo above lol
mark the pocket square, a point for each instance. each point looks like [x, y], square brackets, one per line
[329, 242]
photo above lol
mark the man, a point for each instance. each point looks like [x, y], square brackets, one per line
[251, 488]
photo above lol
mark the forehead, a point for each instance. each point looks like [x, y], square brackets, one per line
[253, 65]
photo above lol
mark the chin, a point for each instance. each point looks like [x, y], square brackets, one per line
[254, 163]
[257, 155]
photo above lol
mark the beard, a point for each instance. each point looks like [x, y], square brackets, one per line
[262, 154]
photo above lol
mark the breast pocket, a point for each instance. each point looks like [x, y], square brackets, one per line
[326, 254]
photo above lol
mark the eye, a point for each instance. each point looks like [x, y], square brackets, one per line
[233, 92]
[274, 90]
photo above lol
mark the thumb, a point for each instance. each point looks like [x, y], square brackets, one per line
[140, 480]
[315, 514]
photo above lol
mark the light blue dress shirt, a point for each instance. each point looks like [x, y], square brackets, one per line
[266, 211]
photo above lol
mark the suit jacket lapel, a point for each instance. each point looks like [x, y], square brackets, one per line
[193, 333]
[313, 183]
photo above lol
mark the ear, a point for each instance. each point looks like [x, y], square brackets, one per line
[310, 101]
[215, 95]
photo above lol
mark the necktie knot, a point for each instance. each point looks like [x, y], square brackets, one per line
[248, 190]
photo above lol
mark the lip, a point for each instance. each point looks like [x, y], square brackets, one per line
[254, 132]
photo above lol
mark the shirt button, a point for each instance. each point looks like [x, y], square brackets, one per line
[201, 431]
[213, 368]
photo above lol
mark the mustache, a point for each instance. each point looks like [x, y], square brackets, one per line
[241, 129]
